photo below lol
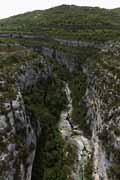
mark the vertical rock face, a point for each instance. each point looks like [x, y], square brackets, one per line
[18, 137]
[102, 96]
[60, 57]
[18, 141]
[100, 164]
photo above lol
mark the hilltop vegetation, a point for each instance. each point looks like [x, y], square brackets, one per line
[67, 21]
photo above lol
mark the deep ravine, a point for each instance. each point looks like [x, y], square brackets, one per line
[60, 94]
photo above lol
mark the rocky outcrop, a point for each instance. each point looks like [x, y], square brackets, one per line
[18, 140]
[60, 41]
[101, 97]
[18, 134]
[61, 57]
[73, 135]
[23, 36]
[100, 163]
[32, 73]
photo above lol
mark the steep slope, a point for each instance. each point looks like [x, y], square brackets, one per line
[18, 139]
[60, 98]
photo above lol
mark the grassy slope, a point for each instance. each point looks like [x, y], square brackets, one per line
[67, 21]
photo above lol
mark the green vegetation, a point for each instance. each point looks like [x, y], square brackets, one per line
[45, 103]
[11, 59]
[1, 178]
[65, 21]
[88, 169]
[78, 88]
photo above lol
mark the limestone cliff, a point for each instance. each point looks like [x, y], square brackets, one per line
[59, 96]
